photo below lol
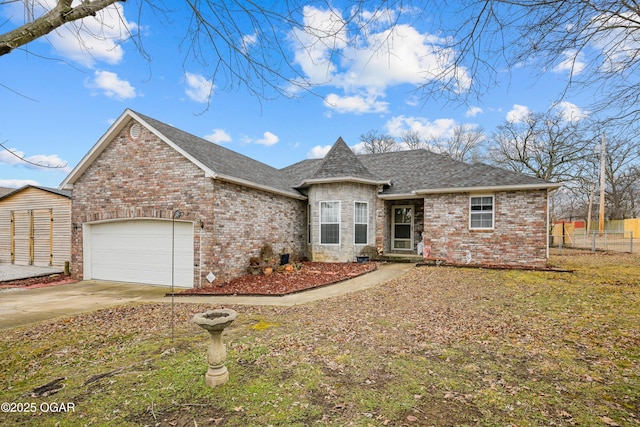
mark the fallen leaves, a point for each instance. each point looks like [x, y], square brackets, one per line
[436, 346]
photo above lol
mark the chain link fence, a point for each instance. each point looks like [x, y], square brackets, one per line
[616, 241]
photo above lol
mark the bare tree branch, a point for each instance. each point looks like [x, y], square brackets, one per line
[62, 13]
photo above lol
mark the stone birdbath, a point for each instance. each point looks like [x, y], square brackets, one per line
[215, 321]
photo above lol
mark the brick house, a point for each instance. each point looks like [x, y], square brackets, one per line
[154, 204]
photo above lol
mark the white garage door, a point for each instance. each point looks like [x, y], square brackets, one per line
[140, 251]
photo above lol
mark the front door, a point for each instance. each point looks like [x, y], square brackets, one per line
[402, 228]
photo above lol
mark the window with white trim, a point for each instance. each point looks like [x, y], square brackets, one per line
[329, 223]
[361, 223]
[481, 212]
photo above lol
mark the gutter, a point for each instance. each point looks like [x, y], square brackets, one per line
[250, 184]
[308, 182]
[542, 186]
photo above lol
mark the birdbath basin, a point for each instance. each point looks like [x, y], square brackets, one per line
[214, 322]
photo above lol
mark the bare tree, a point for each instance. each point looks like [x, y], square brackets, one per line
[62, 13]
[465, 144]
[543, 145]
[595, 41]
[412, 140]
[621, 175]
[374, 142]
[238, 43]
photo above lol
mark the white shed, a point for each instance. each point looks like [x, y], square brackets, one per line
[35, 226]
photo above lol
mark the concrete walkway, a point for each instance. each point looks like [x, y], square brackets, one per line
[24, 306]
[15, 272]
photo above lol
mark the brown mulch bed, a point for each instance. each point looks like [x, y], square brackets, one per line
[310, 275]
[37, 282]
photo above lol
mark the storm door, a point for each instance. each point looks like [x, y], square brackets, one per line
[402, 228]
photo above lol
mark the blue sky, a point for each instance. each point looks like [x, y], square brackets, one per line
[57, 100]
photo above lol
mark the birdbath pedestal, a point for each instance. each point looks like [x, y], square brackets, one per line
[215, 321]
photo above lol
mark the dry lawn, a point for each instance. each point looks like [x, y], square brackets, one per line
[438, 346]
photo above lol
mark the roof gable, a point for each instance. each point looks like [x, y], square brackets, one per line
[216, 161]
[223, 163]
[341, 164]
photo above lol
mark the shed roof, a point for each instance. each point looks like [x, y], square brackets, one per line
[57, 191]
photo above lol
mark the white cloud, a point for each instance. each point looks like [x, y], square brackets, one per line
[324, 31]
[571, 63]
[218, 136]
[364, 64]
[15, 157]
[518, 113]
[570, 112]
[439, 128]
[93, 39]
[268, 139]
[112, 85]
[248, 41]
[400, 55]
[199, 88]
[17, 183]
[618, 45]
[474, 111]
[318, 152]
[355, 104]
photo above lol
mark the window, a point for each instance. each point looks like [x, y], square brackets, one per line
[361, 223]
[329, 223]
[481, 212]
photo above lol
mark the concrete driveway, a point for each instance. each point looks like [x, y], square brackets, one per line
[24, 306]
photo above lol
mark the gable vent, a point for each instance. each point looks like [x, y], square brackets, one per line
[135, 130]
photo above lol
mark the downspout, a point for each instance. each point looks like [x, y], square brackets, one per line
[50, 236]
[31, 238]
[13, 237]
[200, 255]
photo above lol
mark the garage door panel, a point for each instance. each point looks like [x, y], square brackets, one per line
[141, 251]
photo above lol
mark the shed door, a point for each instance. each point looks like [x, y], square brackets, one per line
[140, 251]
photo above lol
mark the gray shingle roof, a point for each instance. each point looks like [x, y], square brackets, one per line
[407, 171]
[341, 162]
[414, 170]
[58, 191]
[223, 161]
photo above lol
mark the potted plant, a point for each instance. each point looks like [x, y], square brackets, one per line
[365, 254]
[268, 259]
[284, 256]
[254, 265]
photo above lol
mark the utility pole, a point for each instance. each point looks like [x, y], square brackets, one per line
[593, 189]
[602, 183]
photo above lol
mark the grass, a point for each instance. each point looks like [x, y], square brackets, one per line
[438, 346]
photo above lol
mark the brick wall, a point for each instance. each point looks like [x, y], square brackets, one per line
[142, 178]
[146, 178]
[519, 236]
[246, 219]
